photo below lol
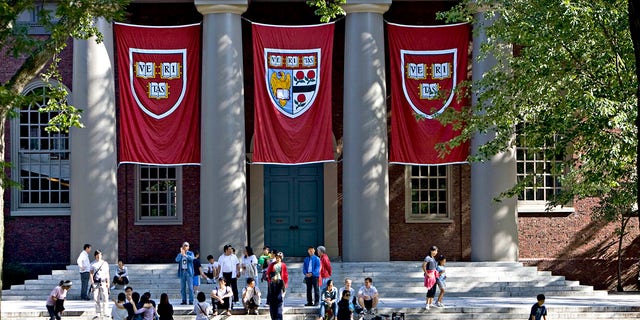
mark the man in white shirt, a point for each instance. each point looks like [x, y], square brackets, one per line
[368, 296]
[229, 269]
[84, 265]
[100, 284]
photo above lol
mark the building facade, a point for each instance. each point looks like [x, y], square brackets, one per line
[360, 207]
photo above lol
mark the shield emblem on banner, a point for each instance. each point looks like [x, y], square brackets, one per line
[292, 79]
[429, 79]
[158, 80]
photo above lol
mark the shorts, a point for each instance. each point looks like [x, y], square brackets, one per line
[368, 304]
[441, 284]
[196, 280]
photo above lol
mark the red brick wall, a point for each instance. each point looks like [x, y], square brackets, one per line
[578, 247]
[37, 241]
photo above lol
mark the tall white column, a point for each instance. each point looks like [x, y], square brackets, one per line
[223, 182]
[365, 213]
[494, 228]
[94, 202]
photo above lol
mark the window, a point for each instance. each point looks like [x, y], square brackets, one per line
[427, 196]
[542, 170]
[40, 160]
[159, 195]
[31, 17]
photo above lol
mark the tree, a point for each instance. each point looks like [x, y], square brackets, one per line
[39, 57]
[565, 82]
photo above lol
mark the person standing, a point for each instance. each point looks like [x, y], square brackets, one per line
[277, 291]
[429, 269]
[84, 265]
[325, 266]
[230, 269]
[55, 300]
[311, 270]
[249, 264]
[185, 272]
[100, 284]
[165, 308]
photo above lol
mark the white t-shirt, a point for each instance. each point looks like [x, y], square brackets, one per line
[83, 262]
[364, 291]
[251, 293]
[228, 264]
[100, 270]
[249, 266]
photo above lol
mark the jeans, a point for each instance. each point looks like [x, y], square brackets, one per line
[84, 289]
[333, 307]
[312, 283]
[186, 283]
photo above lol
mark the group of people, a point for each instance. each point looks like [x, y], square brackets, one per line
[340, 304]
[226, 272]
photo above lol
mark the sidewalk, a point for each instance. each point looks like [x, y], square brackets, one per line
[626, 302]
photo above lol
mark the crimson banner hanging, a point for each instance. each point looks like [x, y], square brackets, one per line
[159, 85]
[427, 64]
[292, 91]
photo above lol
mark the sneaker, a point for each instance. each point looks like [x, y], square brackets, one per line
[113, 287]
[439, 305]
[427, 307]
[374, 310]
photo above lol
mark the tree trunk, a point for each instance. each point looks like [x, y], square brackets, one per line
[3, 114]
[634, 27]
[624, 220]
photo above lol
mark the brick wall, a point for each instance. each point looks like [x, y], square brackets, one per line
[37, 242]
[578, 247]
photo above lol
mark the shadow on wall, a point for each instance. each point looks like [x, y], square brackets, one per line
[597, 265]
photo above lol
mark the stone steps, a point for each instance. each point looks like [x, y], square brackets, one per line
[472, 279]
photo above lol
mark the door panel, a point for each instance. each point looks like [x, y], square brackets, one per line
[293, 207]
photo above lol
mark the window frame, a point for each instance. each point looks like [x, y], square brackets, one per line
[159, 220]
[16, 207]
[535, 206]
[410, 217]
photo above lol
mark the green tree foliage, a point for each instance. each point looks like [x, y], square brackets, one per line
[565, 69]
[327, 9]
[40, 56]
[565, 80]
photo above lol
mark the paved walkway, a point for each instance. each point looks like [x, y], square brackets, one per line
[557, 304]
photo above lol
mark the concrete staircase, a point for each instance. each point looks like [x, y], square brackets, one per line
[401, 279]
[475, 290]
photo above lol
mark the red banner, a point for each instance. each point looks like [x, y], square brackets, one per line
[159, 85]
[427, 64]
[292, 91]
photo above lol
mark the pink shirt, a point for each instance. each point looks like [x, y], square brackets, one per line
[57, 292]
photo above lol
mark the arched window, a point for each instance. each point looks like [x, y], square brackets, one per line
[40, 159]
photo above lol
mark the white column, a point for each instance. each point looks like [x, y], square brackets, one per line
[223, 183]
[365, 213]
[94, 203]
[494, 229]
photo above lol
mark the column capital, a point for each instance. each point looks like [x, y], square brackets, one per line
[370, 6]
[221, 6]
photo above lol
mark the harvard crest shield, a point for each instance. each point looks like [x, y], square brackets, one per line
[158, 80]
[429, 79]
[292, 79]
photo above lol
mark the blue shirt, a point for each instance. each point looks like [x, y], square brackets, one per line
[185, 263]
[314, 262]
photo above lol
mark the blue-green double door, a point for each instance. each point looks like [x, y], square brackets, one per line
[293, 208]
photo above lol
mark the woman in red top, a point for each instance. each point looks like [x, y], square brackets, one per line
[325, 267]
[279, 268]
